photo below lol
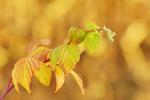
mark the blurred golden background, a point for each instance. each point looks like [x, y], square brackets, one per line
[120, 72]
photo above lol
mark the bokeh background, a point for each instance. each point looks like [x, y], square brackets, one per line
[121, 71]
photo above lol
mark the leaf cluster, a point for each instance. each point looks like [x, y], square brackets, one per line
[42, 61]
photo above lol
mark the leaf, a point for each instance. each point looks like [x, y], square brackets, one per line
[43, 74]
[76, 35]
[65, 55]
[40, 53]
[92, 26]
[59, 78]
[23, 72]
[43, 42]
[78, 80]
[92, 42]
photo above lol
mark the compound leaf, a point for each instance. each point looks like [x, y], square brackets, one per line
[23, 72]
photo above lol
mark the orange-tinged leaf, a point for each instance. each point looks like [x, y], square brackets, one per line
[23, 72]
[40, 53]
[43, 74]
[59, 78]
[78, 80]
[43, 42]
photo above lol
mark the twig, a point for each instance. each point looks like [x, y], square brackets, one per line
[8, 89]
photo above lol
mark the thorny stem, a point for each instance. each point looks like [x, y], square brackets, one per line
[8, 89]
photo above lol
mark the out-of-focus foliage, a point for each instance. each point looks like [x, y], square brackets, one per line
[121, 72]
[3, 57]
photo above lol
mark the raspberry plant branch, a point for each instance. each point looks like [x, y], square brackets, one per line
[42, 60]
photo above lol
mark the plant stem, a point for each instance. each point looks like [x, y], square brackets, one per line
[8, 89]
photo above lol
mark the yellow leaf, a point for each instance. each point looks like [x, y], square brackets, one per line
[78, 80]
[15, 80]
[43, 74]
[23, 72]
[59, 78]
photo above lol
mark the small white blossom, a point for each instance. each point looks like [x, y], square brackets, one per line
[110, 34]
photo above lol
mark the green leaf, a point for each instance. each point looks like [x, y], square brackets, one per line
[76, 35]
[91, 26]
[23, 72]
[92, 42]
[43, 74]
[66, 56]
[59, 78]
